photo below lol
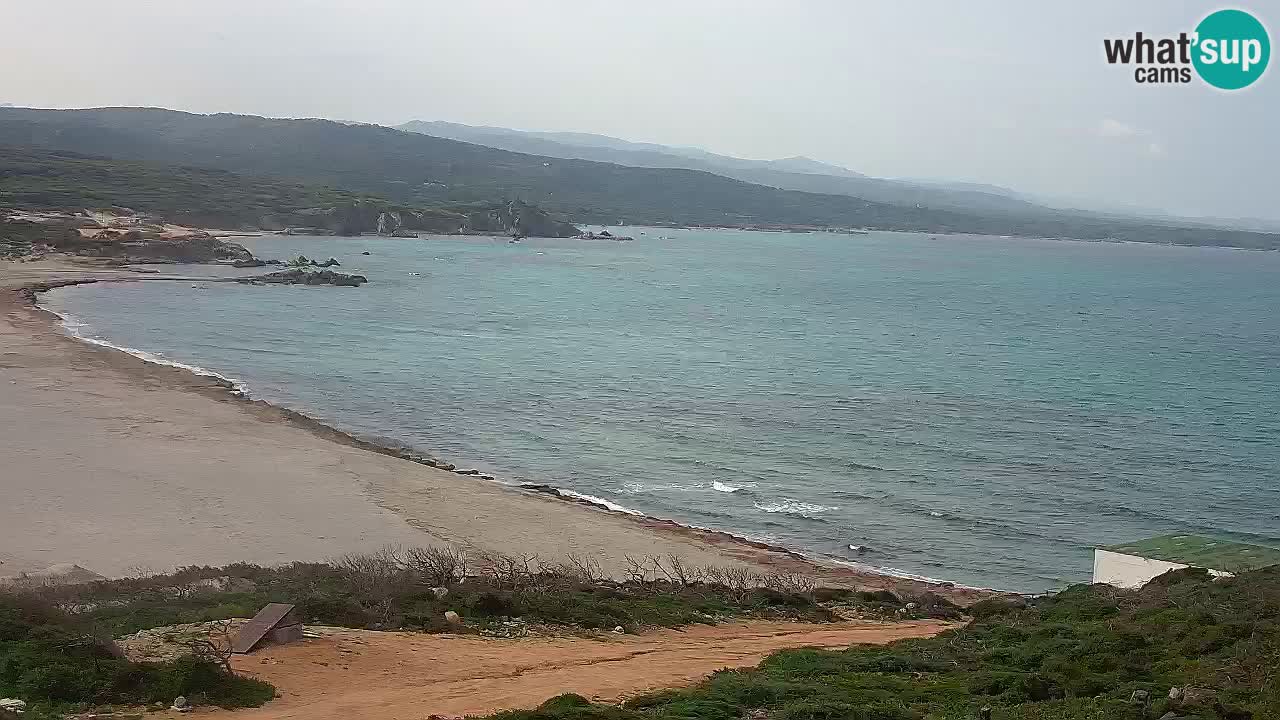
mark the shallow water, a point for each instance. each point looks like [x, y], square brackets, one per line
[977, 409]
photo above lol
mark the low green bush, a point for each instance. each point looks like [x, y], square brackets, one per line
[50, 659]
[397, 589]
[1077, 655]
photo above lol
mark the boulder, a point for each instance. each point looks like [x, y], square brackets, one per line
[1192, 696]
[1140, 697]
[452, 617]
[180, 704]
[13, 705]
[440, 592]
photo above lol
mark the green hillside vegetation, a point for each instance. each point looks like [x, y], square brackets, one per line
[424, 171]
[210, 197]
[1082, 654]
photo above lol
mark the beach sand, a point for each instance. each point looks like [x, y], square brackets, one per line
[120, 465]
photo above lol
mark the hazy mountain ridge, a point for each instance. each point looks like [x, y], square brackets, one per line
[809, 175]
[423, 171]
[794, 173]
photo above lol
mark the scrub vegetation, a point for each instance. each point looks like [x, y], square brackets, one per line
[1089, 652]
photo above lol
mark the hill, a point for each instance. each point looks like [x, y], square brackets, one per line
[208, 197]
[425, 171]
[795, 173]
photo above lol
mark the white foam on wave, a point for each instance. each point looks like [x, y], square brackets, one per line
[632, 487]
[636, 488]
[80, 331]
[599, 501]
[895, 572]
[788, 506]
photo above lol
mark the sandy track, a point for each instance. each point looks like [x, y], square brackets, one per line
[354, 675]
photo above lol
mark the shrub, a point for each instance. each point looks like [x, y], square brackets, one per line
[46, 657]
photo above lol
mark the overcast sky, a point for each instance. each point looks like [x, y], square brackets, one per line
[1010, 93]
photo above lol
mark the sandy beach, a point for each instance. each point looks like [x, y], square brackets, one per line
[120, 466]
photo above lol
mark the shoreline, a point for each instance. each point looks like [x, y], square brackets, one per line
[763, 556]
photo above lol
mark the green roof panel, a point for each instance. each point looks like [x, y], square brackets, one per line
[1202, 552]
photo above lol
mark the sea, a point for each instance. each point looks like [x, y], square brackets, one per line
[980, 410]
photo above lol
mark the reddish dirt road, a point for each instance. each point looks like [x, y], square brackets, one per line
[358, 675]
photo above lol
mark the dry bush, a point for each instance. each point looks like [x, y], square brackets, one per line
[678, 572]
[507, 571]
[385, 562]
[736, 578]
[789, 583]
[437, 566]
[580, 568]
[376, 578]
[638, 570]
[214, 646]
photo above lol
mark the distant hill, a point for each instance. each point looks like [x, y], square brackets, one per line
[37, 178]
[423, 171]
[795, 173]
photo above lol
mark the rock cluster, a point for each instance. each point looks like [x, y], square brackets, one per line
[298, 276]
[172, 642]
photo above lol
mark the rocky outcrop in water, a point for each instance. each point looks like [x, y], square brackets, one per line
[298, 276]
[510, 218]
[519, 218]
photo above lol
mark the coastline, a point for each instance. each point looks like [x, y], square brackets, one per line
[540, 512]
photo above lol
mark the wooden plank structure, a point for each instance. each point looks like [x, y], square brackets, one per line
[276, 623]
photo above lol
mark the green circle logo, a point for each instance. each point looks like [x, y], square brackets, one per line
[1232, 49]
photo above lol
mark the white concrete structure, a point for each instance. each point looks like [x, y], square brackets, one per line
[1134, 564]
[1132, 571]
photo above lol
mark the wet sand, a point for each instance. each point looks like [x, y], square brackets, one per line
[121, 465]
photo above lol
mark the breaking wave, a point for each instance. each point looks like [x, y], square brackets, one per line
[796, 508]
[80, 331]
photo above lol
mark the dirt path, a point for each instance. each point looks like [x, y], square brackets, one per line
[359, 675]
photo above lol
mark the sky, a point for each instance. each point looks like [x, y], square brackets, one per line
[1016, 94]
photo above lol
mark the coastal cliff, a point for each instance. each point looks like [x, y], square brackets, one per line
[122, 238]
[370, 216]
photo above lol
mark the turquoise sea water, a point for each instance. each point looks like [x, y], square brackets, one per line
[975, 409]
